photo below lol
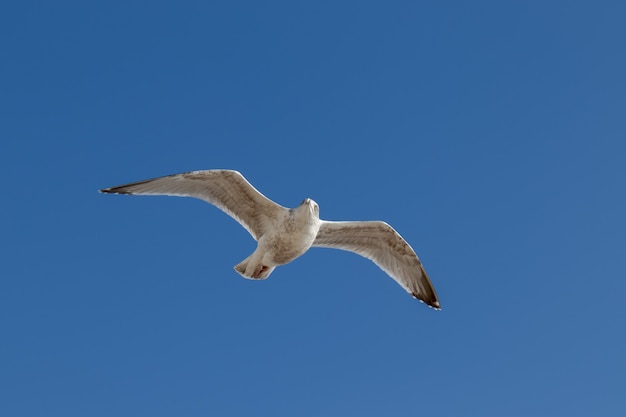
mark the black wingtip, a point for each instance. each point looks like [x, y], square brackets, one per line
[114, 190]
[434, 304]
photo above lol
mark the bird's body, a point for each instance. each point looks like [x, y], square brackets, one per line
[285, 234]
[293, 235]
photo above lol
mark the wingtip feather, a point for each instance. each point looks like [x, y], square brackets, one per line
[434, 304]
[114, 190]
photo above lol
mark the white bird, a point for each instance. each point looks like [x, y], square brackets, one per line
[285, 234]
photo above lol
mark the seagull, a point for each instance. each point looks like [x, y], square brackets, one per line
[284, 234]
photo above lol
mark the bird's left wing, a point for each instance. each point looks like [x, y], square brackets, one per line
[379, 242]
[227, 190]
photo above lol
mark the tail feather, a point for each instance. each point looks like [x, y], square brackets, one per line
[250, 271]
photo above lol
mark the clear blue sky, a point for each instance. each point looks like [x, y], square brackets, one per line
[490, 134]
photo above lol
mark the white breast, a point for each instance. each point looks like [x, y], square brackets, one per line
[290, 238]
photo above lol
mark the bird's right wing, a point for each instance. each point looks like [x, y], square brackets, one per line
[379, 242]
[227, 190]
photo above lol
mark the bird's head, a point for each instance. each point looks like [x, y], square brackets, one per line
[311, 205]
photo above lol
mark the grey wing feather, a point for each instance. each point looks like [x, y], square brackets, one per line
[227, 190]
[379, 242]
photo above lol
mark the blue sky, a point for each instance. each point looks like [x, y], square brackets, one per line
[489, 134]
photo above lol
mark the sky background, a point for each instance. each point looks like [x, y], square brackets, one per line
[490, 134]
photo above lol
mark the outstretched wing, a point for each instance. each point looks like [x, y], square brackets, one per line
[227, 190]
[380, 243]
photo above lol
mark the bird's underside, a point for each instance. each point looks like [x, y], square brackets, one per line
[285, 234]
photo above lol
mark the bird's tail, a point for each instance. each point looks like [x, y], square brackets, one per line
[250, 270]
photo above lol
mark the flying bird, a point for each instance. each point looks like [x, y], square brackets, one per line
[284, 234]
